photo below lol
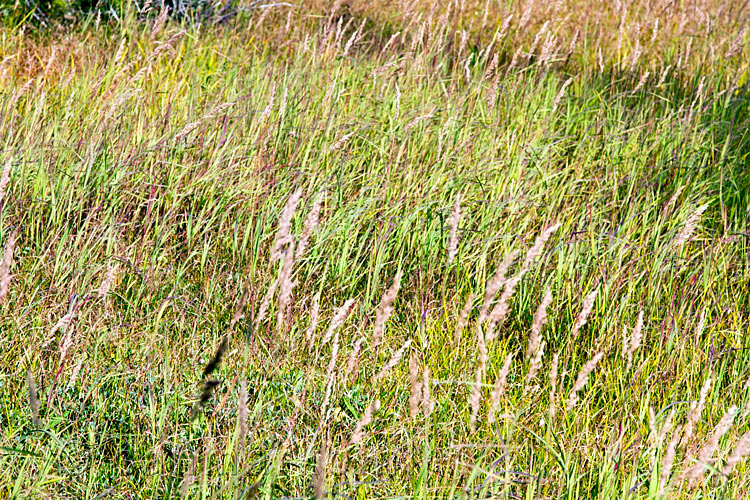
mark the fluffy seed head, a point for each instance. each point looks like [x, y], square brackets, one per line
[672, 199]
[284, 232]
[738, 44]
[536, 363]
[690, 225]
[109, 279]
[561, 93]
[705, 456]
[393, 361]
[6, 264]
[314, 317]
[267, 111]
[463, 318]
[160, 21]
[741, 450]
[668, 460]
[338, 319]
[695, 412]
[319, 476]
[286, 284]
[5, 179]
[243, 414]
[364, 422]
[385, 310]
[265, 303]
[353, 360]
[582, 379]
[526, 15]
[341, 142]
[538, 246]
[501, 309]
[540, 318]
[33, 398]
[635, 339]
[120, 51]
[475, 399]
[494, 284]
[701, 325]
[641, 82]
[66, 342]
[583, 316]
[501, 383]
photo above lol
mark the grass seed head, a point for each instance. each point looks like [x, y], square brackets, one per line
[561, 94]
[284, 232]
[311, 224]
[6, 264]
[206, 394]
[319, 476]
[5, 179]
[463, 317]
[109, 280]
[635, 339]
[385, 310]
[286, 285]
[353, 362]
[534, 366]
[667, 460]
[214, 362]
[33, 399]
[705, 456]
[501, 309]
[741, 450]
[366, 419]
[267, 111]
[338, 319]
[265, 303]
[239, 308]
[690, 226]
[538, 246]
[582, 379]
[498, 390]
[495, 283]
[583, 316]
[475, 399]
[393, 361]
[695, 413]
[540, 319]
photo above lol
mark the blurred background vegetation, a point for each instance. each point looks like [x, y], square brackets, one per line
[55, 13]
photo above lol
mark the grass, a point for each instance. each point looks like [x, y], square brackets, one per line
[161, 160]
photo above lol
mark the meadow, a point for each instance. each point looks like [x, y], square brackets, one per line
[359, 250]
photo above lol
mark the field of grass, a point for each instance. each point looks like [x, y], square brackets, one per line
[384, 250]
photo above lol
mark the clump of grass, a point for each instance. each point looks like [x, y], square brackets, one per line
[352, 187]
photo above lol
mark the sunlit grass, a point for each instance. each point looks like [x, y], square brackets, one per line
[165, 161]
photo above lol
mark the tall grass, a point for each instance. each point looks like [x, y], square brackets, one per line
[242, 261]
